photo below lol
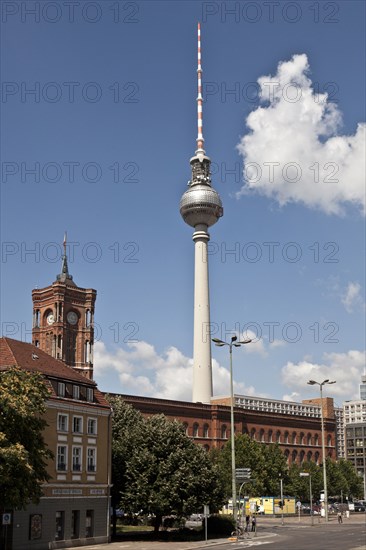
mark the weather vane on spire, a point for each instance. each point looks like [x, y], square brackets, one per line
[65, 276]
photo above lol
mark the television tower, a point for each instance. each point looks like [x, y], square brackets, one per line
[201, 207]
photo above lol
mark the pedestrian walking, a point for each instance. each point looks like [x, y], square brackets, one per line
[247, 522]
[339, 517]
[254, 523]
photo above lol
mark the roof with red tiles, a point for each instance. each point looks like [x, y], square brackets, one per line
[28, 357]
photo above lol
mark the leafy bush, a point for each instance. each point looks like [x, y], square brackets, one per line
[220, 525]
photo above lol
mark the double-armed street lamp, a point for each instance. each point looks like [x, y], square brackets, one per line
[321, 384]
[237, 344]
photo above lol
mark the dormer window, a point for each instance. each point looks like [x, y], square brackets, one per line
[61, 389]
[89, 395]
[76, 392]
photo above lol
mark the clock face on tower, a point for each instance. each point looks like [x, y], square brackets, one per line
[50, 319]
[72, 318]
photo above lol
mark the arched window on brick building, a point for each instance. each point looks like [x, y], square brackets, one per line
[308, 439]
[293, 438]
[253, 433]
[287, 437]
[294, 456]
[261, 436]
[278, 436]
[270, 436]
[316, 439]
[302, 456]
[223, 431]
[302, 439]
[329, 440]
[316, 457]
[185, 426]
[205, 430]
[287, 455]
[195, 429]
[309, 456]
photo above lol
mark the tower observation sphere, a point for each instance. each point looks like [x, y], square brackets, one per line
[201, 204]
[201, 207]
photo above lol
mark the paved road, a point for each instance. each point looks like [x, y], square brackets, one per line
[330, 537]
[350, 535]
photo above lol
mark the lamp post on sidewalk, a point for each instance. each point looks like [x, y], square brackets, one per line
[220, 343]
[321, 384]
[282, 503]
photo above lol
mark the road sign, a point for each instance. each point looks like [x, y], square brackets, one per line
[6, 519]
[243, 473]
[304, 474]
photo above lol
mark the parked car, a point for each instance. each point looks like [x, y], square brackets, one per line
[359, 507]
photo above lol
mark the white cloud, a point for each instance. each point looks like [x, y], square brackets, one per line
[345, 368]
[297, 130]
[257, 344]
[294, 396]
[277, 343]
[352, 298]
[142, 371]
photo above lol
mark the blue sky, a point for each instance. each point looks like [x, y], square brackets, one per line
[108, 133]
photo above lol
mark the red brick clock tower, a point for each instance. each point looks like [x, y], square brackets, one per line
[63, 321]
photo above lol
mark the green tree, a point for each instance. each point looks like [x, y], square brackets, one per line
[23, 451]
[341, 479]
[354, 482]
[299, 486]
[158, 469]
[127, 427]
[265, 461]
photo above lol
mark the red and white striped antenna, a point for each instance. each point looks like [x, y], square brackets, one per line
[200, 140]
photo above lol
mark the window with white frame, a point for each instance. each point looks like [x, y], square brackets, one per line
[76, 392]
[61, 389]
[76, 459]
[62, 422]
[91, 464]
[89, 395]
[92, 426]
[77, 424]
[61, 458]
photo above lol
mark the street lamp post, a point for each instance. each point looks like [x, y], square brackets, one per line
[220, 343]
[321, 384]
[282, 503]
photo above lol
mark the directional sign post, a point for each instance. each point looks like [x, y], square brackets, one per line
[307, 474]
[243, 474]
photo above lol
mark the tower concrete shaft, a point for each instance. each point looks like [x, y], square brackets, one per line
[202, 362]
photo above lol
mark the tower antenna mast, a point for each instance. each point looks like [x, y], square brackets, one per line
[200, 139]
